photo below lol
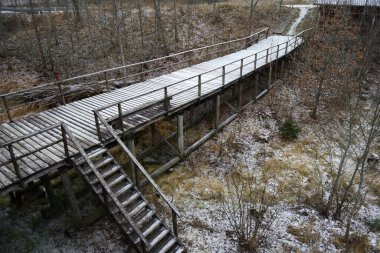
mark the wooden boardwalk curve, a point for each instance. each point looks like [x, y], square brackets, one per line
[43, 151]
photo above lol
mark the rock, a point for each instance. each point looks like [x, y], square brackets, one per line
[262, 138]
[373, 159]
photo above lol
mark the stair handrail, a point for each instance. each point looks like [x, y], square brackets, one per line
[139, 166]
[105, 186]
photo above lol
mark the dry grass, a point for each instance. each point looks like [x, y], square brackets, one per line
[305, 234]
[357, 243]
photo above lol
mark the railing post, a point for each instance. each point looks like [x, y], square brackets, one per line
[278, 51]
[241, 67]
[14, 161]
[286, 48]
[106, 78]
[120, 117]
[60, 92]
[98, 126]
[9, 114]
[199, 86]
[258, 38]
[266, 36]
[175, 225]
[266, 60]
[255, 61]
[224, 75]
[166, 100]
[64, 139]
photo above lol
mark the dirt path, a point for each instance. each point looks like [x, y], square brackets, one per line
[304, 9]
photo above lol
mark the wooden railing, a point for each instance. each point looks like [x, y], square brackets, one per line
[259, 60]
[30, 150]
[64, 90]
[139, 169]
[107, 193]
[347, 2]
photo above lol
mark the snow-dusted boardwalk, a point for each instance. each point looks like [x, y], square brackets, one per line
[43, 151]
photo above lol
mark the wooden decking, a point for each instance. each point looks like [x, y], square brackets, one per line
[185, 86]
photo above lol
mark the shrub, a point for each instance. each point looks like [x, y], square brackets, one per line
[289, 129]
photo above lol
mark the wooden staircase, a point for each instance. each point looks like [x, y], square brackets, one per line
[126, 204]
[124, 201]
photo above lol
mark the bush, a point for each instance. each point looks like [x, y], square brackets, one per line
[289, 129]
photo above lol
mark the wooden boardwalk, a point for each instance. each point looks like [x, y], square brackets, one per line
[184, 87]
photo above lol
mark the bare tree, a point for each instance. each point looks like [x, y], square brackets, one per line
[251, 10]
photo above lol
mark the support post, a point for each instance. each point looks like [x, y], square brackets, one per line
[241, 67]
[270, 76]
[9, 114]
[224, 75]
[132, 148]
[107, 83]
[240, 95]
[70, 196]
[98, 127]
[217, 111]
[255, 61]
[275, 70]
[60, 92]
[49, 190]
[282, 68]
[120, 117]
[256, 89]
[154, 135]
[199, 86]
[180, 134]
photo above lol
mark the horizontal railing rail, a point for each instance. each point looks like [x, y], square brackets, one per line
[61, 91]
[269, 53]
[347, 2]
[14, 158]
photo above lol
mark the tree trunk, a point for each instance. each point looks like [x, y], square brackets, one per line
[38, 37]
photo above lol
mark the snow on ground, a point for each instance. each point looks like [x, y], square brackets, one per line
[304, 9]
[252, 141]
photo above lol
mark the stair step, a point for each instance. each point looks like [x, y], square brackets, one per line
[145, 218]
[138, 208]
[130, 199]
[103, 162]
[117, 180]
[112, 170]
[97, 152]
[152, 227]
[180, 250]
[159, 237]
[123, 189]
[168, 246]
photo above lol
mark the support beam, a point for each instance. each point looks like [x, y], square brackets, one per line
[132, 148]
[217, 111]
[269, 76]
[49, 190]
[154, 135]
[275, 70]
[240, 95]
[282, 68]
[70, 196]
[256, 89]
[180, 135]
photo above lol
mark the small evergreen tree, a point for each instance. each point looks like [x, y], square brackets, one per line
[289, 130]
